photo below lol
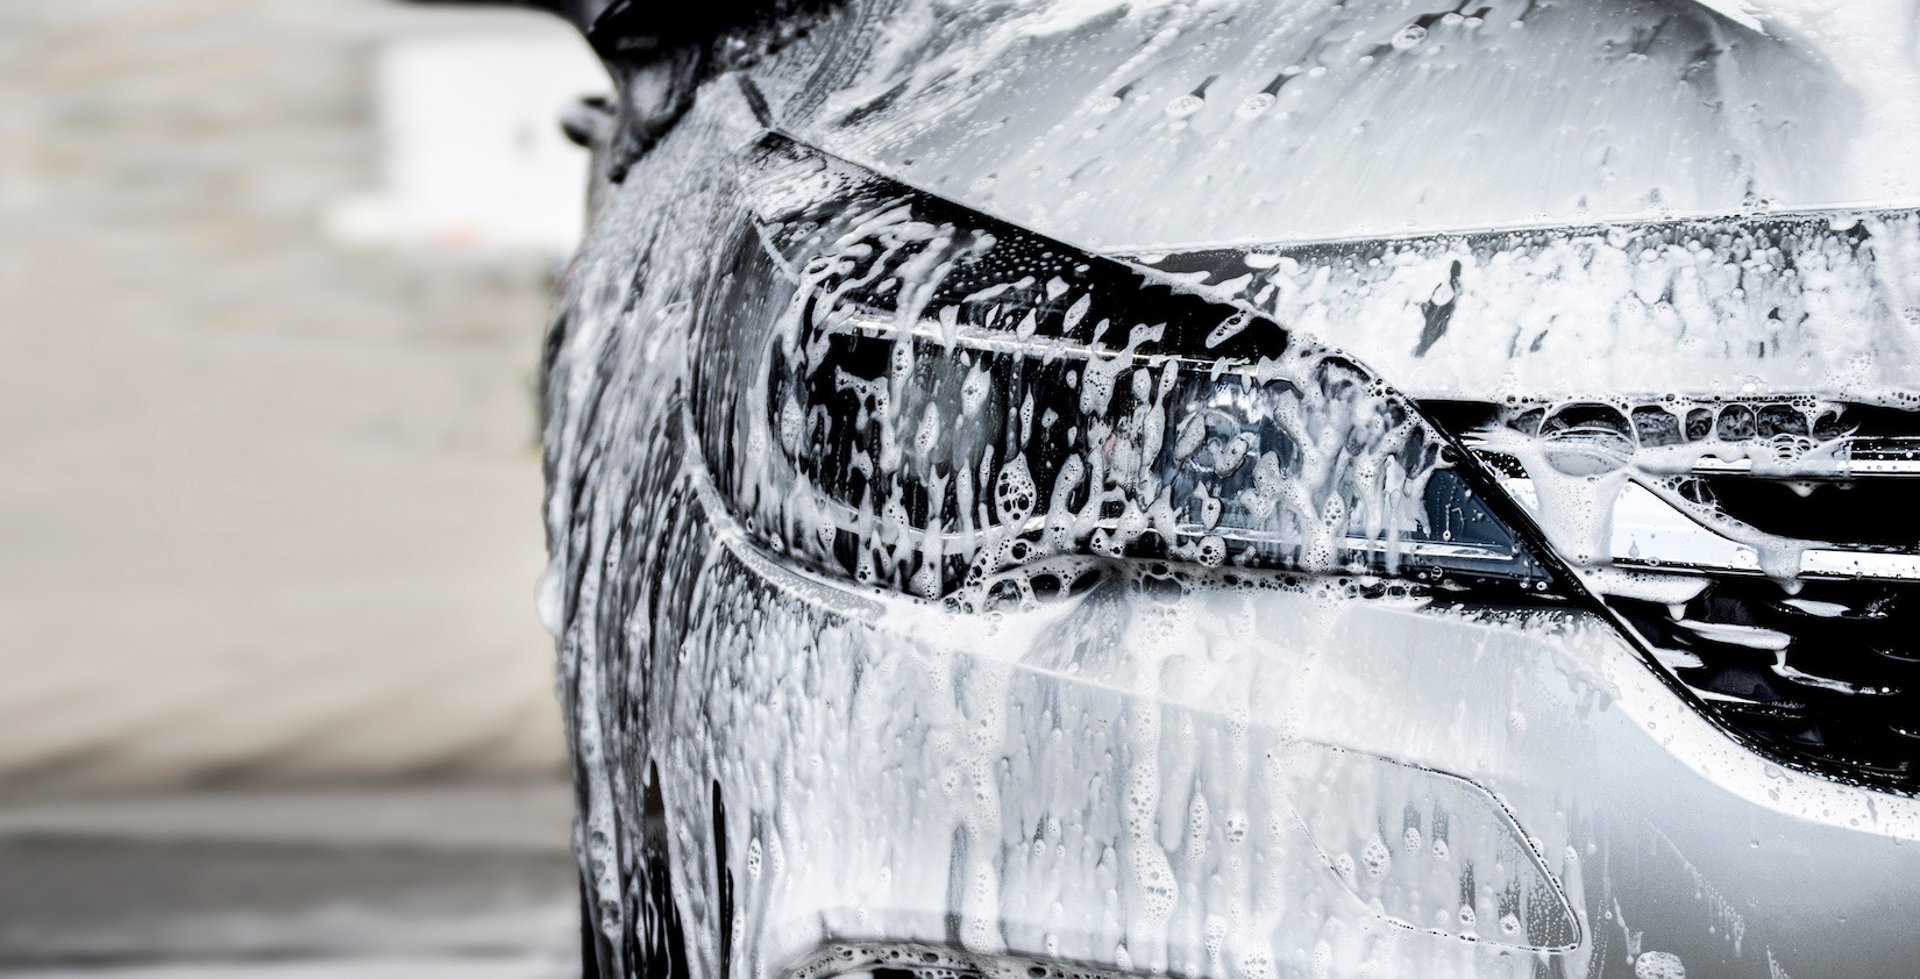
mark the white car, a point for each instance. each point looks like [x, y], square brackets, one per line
[1244, 489]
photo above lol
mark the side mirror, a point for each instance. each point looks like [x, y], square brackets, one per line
[657, 57]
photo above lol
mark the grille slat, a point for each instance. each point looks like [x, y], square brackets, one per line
[1794, 527]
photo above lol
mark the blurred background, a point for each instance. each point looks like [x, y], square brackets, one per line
[273, 696]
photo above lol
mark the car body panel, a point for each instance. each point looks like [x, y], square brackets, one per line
[1134, 127]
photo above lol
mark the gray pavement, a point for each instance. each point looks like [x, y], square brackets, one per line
[419, 881]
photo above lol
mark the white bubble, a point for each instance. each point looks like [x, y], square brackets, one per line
[1659, 965]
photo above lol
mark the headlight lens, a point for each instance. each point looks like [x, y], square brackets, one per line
[895, 389]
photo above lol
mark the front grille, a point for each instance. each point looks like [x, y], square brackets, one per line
[1766, 553]
[1828, 677]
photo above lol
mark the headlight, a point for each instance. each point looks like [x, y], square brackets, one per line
[894, 389]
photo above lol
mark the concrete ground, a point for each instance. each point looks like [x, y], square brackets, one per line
[419, 882]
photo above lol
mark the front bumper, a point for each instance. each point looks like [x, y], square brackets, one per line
[1221, 777]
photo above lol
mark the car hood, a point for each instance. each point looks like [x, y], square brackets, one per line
[1128, 126]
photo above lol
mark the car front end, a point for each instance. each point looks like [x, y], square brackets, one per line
[1246, 490]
